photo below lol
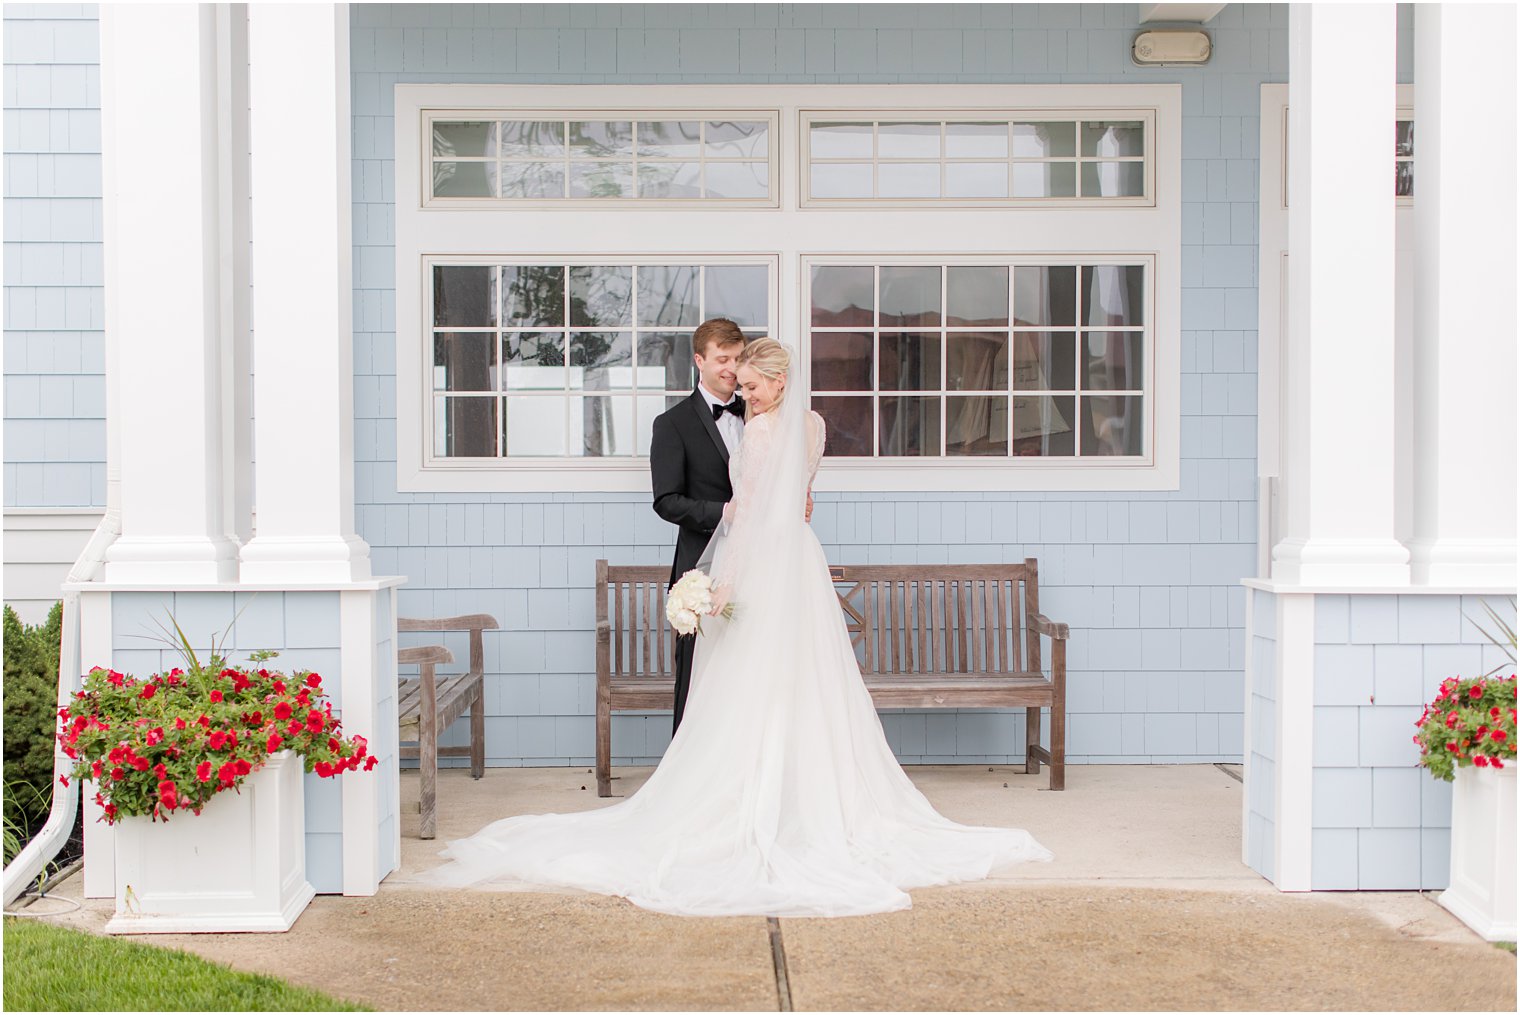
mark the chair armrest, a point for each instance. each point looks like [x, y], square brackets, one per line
[1049, 628]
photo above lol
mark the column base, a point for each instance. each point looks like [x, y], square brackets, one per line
[1462, 562]
[151, 560]
[305, 561]
[1368, 562]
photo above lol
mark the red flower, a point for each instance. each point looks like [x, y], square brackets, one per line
[141, 764]
[370, 762]
[323, 770]
[1498, 736]
[1494, 712]
[96, 768]
[294, 727]
[180, 724]
[148, 691]
[1480, 761]
[161, 770]
[218, 740]
[63, 779]
[155, 735]
[282, 711]
[240, 682]
[278, 687]
[1497, 763]
[312, 680]
[203, 771]
[1476, 692]
[118, 773]
[274, 742]
[110, 810]
[303, 698]
[257, 719]
[1451, 746]
[227, 773]
[243, 767]
[215, 696]
[314, 720]
[168, 794]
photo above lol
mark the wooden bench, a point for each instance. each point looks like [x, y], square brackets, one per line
[428, 704]
[926, 636]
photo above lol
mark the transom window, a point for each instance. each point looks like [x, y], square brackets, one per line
[977, 160]
[676, 157]
[573, 360]
[980, 359]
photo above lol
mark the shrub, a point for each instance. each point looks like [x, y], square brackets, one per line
[31, 704]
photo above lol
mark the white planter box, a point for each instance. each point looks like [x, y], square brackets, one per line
[240, 865]
[1482, 887]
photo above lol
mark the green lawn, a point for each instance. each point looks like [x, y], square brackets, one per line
[49, 968]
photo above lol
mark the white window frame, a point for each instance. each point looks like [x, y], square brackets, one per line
[795, 236]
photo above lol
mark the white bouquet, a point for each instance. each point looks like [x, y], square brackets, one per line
[689, 600]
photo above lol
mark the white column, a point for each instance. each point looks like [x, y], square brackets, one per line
[1465, 223]
[159, 72]
[1339, 397]
[302, 298]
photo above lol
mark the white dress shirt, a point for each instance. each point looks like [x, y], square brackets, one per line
[730, 426]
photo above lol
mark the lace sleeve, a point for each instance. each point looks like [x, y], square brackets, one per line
[818, 434]
[753, 452]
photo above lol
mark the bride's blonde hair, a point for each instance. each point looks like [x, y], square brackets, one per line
[771, 360]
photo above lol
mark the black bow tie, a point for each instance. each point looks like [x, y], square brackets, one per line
[736, 407]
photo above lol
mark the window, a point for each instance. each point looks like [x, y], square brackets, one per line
[683, 156]
[982, 360]
[572, 360]
[854, 158]
[982, 282]
[1403, 157]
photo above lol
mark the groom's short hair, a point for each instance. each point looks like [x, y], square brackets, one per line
[719, 331]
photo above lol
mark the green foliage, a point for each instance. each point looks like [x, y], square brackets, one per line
[51, 968]
[25, 807]
[1503, 634]
[1470, 723]
[31, 704]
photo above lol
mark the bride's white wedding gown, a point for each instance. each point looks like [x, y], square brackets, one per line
[779, 795]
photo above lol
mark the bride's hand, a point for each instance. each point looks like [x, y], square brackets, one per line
[807, 514]
[728, 512]
[719, 600]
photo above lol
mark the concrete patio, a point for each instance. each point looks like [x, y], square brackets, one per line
[1146, 906]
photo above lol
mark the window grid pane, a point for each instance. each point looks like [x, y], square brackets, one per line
[584, 358]
[686, 158]
[1054, 369]
[1023, 158]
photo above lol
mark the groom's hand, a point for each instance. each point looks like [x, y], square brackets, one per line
[807, 515]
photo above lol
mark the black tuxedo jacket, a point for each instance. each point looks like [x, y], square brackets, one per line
[688, 463]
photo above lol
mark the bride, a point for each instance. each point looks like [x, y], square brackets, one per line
[778, 795]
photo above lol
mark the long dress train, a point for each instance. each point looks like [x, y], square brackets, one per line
[779, 795]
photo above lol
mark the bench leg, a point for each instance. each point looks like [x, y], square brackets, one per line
[1058, 742]
[1032, 740]
[427, 751]
[478, 734]
[603, 743]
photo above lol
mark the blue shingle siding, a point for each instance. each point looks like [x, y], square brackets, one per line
[1380, 821]
[1149, 583]
[55, 448]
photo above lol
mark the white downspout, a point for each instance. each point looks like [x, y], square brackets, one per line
[23, 870]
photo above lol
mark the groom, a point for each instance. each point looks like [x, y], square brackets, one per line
[688, 462]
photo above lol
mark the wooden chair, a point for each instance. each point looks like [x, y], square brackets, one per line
[926, 636]
[428, 705]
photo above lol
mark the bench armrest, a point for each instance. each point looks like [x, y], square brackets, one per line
[1049, 628]
[424, 654]
[473, 621]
